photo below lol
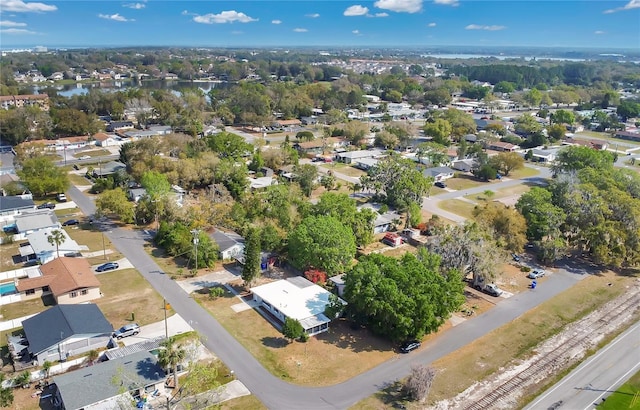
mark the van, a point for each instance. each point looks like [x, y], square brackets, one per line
[62, 198]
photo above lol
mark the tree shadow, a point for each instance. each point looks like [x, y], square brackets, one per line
[393, 394]
[359, 339]
[275, 342]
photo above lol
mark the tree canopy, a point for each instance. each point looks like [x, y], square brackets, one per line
[322, 242]
[402, 298]
[42, 176]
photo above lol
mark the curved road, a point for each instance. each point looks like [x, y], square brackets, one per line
[597, 378]
[277, 394]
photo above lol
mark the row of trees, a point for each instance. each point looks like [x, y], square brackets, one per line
[590, 207]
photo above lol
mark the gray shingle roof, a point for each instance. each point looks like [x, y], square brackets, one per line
[45, 329]
[37, 220]
[225, 240]
[11, 203]
[102, 381]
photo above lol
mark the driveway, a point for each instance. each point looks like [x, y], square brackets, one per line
[206, 281]
[175, 326]
[278, 394]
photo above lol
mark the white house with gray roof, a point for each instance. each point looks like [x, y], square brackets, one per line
[66, 330]
[111, 384]
[439, 173]
[230, 244]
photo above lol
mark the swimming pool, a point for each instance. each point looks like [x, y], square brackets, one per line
[7, 288]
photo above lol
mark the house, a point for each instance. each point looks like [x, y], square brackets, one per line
[502, 146]
[296, 298]
[464, 165]
[68, 280]
[261, 182]
[628, 135]
[110, 384]
[288, 123]
[118, 125]
[20, 101]
[350, 157]
[598, 145]
[366, 163]
[230, 244]
[40, 248]
[544, 155]
[15, 205]
[178, 194]
[66, 330]
[136, 194]
[34, 221]
[106, 140]
[317, 145]
[383, 222]
[439, 173]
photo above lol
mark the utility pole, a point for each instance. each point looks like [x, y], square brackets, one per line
[196, 241]
[166, 307]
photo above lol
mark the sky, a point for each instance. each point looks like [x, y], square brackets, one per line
[265, 23]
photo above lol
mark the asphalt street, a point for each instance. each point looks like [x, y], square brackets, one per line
[277, 394]
[596, 378]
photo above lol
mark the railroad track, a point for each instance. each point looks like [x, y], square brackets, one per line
[550, 359]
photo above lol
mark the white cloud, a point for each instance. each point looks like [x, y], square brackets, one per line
[276, 21]
[431, 25]
[381, 15]
[400, 6]
[633, 4]
[356, 10]
[229, 16]
[453, 3]
[185, 12]
[598, 32]
[237, 32]
[300, 30]
[313, 15]
[7, 23]
[114, 17]
[17, 31]
[135, 6]
[356, 32]
[487, 28]
[22, 7]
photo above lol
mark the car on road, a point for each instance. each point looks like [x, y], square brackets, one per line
[47, 205]
[131, 329]
[107, 266]
[85, 157]
[409, 346]
[61, 198]
[440, 184]
[70, 222]
[535, 274]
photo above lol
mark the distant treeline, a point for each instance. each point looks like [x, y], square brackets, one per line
[527, 77]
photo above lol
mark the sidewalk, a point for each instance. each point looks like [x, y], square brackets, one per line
[231, 390]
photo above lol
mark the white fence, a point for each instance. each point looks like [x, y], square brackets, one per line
[5, 300]
[57, 369]
[13, 323]
[20, 273]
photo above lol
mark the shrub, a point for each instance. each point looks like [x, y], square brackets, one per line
[215, 292]
[316, 276]
[525, 269]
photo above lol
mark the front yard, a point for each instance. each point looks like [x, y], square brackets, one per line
[326, 359]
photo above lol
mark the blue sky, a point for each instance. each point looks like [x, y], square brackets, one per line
[79, 23]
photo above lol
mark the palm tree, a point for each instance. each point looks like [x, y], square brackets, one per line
[170, 356]
[57, 238]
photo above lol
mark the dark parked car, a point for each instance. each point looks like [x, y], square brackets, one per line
[410, 345]
[70, 222]
[131, 329]
[440, 184]
[107, 266]
[47, 205]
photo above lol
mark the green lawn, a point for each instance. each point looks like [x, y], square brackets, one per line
[524, 172]
[605, 137]
[92, 153]
[626, 397]
[462, 182]
[458, 207]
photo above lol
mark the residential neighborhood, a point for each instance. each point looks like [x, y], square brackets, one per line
[186, 238]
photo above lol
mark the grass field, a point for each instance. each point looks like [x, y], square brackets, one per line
[486, 355]
[462, 182]
[626, 397]
[326, 359]
[92, 153]
[344, 169]
[524, 172]
[126, 292]
[79, 180]
[458, 207]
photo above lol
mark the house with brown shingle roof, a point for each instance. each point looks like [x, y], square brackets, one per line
[68, 280]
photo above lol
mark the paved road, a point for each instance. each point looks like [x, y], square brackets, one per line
[598, 377]
[432, 203]
[277, 394]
